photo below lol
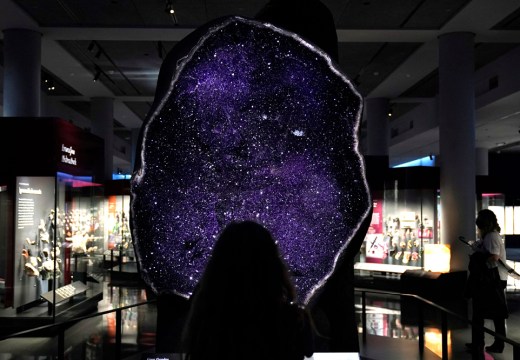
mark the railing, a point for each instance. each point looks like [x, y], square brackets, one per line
[60, 328]
[421, 302]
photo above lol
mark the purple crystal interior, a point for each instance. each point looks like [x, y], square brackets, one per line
[259, 125]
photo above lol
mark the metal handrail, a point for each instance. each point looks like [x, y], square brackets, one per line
[62, 326]
[444, 321]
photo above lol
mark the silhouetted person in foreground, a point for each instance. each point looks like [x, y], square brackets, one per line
[486, 284]
[243, 307]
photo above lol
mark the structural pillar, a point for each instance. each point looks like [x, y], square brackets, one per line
[457, 143]
[102, 115]
[377, 126]
[22, 72]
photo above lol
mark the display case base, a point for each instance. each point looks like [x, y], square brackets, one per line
[12, 322]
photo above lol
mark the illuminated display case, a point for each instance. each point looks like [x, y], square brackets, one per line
[405, 220]
[51, 227]
[51, 218]
[117, 225]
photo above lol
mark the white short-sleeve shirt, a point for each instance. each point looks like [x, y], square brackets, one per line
[494, 244]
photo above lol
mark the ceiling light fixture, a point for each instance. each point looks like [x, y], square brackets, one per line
[169, 7]
[169, 10]
[49, 83]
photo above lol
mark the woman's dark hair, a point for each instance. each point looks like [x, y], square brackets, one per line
[487, 222]
[237, 309]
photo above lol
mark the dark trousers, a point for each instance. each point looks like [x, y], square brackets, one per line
[477, 330]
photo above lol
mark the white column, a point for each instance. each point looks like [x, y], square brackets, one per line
[22, 72]
[102, 115]
[377, 126]
[457, 143]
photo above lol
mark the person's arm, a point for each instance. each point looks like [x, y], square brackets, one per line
[493, 257]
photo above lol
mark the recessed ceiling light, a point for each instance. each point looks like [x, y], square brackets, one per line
[501, 143]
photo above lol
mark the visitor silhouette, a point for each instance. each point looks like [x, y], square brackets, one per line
[244, 305]
[486, 284]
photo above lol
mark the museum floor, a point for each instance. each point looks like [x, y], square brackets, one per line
[387, 336]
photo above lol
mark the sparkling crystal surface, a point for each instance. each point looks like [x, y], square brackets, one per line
[259, 125]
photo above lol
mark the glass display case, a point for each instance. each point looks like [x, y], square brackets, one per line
[57, 225]
[81, 226]
[51, 219]
[119, 255]
[49, 225]
[117, 229]
[405, 220]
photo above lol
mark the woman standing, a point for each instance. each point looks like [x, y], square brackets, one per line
[487, 282]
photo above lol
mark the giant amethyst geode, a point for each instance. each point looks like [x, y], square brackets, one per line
[256, 124]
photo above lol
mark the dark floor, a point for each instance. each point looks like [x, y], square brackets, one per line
[389, 332]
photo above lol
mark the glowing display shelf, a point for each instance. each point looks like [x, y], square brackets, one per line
[399, 269]
[65, 292]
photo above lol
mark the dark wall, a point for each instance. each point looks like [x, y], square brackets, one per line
[32, 146]
[503, 170]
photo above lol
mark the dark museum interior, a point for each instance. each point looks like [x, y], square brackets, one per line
[366, 135]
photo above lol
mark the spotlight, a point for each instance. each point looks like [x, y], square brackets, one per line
[98, 53]
[390, 113]
[91, 46]
[169, 7]
[49, 84]
[431, 156]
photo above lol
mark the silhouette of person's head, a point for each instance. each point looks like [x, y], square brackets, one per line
[246, 259]
[487, 221]
[243, 304]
